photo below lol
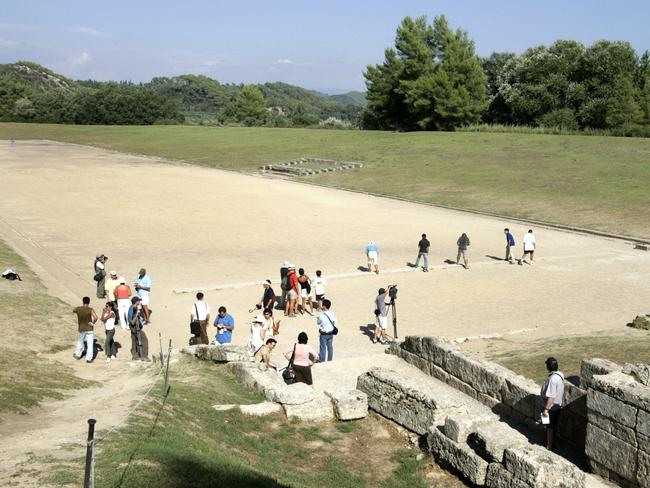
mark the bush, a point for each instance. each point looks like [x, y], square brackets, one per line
[563, 119]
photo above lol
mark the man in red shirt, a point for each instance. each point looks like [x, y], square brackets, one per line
[293, 293]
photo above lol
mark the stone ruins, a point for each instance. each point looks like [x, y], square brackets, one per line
[478, 418]
[296, 167]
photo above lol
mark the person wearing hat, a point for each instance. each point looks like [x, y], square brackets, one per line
[123, 298]
[225, 325]
[143, 287]
[552, 394]
[139, 341]
[372, 252]
[256, 340]
[100, 274]
[293, 291]
[268, 298]
[111, 284]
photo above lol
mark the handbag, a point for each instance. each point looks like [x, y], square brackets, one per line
[335, 330]
[195, 325]
[289, 375]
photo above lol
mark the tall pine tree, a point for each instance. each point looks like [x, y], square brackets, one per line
[432, 80]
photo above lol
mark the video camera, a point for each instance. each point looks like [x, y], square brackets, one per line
[392, 293]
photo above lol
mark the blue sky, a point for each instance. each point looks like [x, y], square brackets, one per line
[315, 44]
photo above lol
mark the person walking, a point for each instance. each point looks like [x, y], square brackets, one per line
[143, 288]
[463, 244]
[268, 298]
[139, 340]
[225, 324]
[326, 322]
[99, 268]
[319, 289]
[423, 252]
[510, 246]
[552, 394]
[304, 357]
[372, 253]
[123, 298]
[529, 247]
[201, 313]
[108, 317]
[86, 318]
[305, 292]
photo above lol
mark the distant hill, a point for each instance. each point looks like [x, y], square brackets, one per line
[197, 98]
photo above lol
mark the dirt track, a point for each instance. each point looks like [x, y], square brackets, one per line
[198, 228]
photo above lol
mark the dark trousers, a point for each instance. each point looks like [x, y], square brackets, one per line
[101, 290]
[139, 337]
[109, 344]
[303, 374]
[204, 332]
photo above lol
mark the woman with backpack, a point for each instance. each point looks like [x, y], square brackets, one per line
[463, 244]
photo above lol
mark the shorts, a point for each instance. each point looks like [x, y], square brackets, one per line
[529, 251]
[292, 294]
[320, 298]
[303, 293]
[372, 257]
[144, 300]
[554, 417]
[382, 321]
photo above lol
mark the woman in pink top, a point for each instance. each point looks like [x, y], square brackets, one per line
[303, 359]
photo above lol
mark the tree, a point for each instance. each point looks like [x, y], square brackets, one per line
[248, 107]
[24, 109]
[498, 111]
[432, 80]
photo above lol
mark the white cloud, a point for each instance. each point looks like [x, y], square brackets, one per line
[89, 31]
[79, 60]
[284, 61]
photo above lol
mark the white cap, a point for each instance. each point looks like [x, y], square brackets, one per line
[113, 273]
[259, 319]
[121, 280]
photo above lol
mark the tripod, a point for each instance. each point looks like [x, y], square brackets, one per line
[393, 306]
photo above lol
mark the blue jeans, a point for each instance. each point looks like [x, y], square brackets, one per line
[87, 337]
[326, 346]
[425, 255]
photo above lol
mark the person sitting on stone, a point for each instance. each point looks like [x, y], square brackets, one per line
[263, 355]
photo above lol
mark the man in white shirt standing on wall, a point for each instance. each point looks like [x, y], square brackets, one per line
[552, 394]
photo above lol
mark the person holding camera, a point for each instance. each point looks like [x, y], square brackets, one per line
[139, 341]
[381, 312]
[100, 274]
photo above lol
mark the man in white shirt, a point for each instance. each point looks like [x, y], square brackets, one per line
[201, 314]
[529, 247]
[552, 394]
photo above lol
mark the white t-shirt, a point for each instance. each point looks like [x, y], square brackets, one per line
[109, 324]
[202, 308]
[529, 241]
[319, 286]
[554, 387]
[267, 325]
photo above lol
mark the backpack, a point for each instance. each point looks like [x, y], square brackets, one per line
[284, 283]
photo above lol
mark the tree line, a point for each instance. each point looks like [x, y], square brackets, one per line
[433, 80]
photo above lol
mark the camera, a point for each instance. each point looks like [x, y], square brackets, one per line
[392, 293]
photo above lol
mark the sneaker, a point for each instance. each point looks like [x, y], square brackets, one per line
[530, 263]
[145, 360]
[88, 362]
[108, 360]
[519, 262]
[113, 357]
[425, 270]
[76, 357]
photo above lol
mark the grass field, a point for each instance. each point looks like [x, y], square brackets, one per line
[33, 322]
[182, 441]
[593, 182]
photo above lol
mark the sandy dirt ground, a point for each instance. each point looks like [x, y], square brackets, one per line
[195, 228]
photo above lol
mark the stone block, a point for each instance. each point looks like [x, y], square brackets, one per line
[591, 367]
[457, 455]
[419, 362]
[624, 388]
[612, 453]
[412, 344]
[189, 350]
[461, 386]
[490, 402]
[643, 470]
[459, 427]
[575, 398]
[541, 468]
[643, 442]
[263, 381]
[521, 394]
[437, 349]
[413, 400]
[485, 377]
[222, 354]
[295, 394]
[626, 434]
[260, 409]
[611, 408]
[318, 409]
[500, 477]
[490, 440]
[349, 405]
[643, 423]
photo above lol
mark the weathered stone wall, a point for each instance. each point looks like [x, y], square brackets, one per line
[510, 395]
[618, 433]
